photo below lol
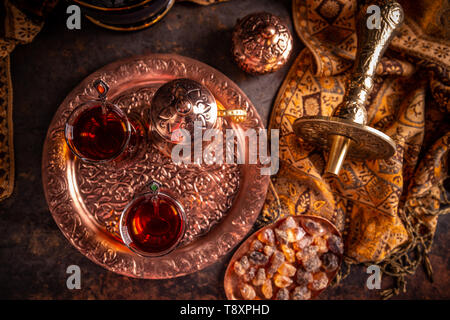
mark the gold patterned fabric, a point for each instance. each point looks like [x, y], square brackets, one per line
[386, 210]
[6, 143]
[17, 29]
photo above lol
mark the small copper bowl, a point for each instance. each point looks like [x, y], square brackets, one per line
[261, 44]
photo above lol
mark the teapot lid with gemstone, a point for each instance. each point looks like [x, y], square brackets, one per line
[178, 104]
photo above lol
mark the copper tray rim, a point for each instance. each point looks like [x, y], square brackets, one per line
[236, 236]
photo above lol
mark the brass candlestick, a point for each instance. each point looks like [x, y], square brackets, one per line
[345, 133]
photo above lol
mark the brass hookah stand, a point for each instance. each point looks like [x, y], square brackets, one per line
[346, 133]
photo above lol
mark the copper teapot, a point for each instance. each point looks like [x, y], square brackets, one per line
[183, 104]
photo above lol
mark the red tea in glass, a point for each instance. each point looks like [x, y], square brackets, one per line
[98, 133]
[153, 224]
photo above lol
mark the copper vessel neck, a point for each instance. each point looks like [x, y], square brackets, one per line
[338, 152]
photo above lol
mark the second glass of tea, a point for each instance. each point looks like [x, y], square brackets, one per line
[153, 224]
[99, 131]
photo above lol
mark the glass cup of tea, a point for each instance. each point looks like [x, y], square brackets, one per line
[99, 131]
[153, 224]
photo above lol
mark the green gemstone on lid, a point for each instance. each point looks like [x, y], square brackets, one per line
[154, 186]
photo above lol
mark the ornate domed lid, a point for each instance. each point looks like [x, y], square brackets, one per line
[178, 104]
[262, 43]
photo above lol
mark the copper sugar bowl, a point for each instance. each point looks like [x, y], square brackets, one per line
[261, 44]
[184, 105]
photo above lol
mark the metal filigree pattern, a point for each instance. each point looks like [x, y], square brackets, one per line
[367, 143]
[221, 201]
[372, 43]
[261, 43]
[178, 104]
[349, 119]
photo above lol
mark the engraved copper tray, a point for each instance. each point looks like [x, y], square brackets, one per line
[221, 201]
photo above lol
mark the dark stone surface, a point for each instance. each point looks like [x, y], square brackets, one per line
[34, 254]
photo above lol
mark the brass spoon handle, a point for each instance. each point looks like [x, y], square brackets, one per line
[372, 43]
[232, 113]
[235, 115]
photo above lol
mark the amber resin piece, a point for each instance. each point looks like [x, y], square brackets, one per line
[257, 258]
[321, 244]
[320, 281]
[267, 236]
[282, 281]
[335, 244]
[238, 268]
[257, 245]
[303, 277]
[312, 263]
[288, 253]
[302, 243]
[248, 292]
[282, 294]
[289, 223]
[245, 263]
[260, 277]
[301, 293]
[281, 236]
[267, 289]
[287, 269]
[330, 261]
[249, 275]
[313, 227]
[268, 250]
[306, 253]
[276, 261]
[295, 234]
